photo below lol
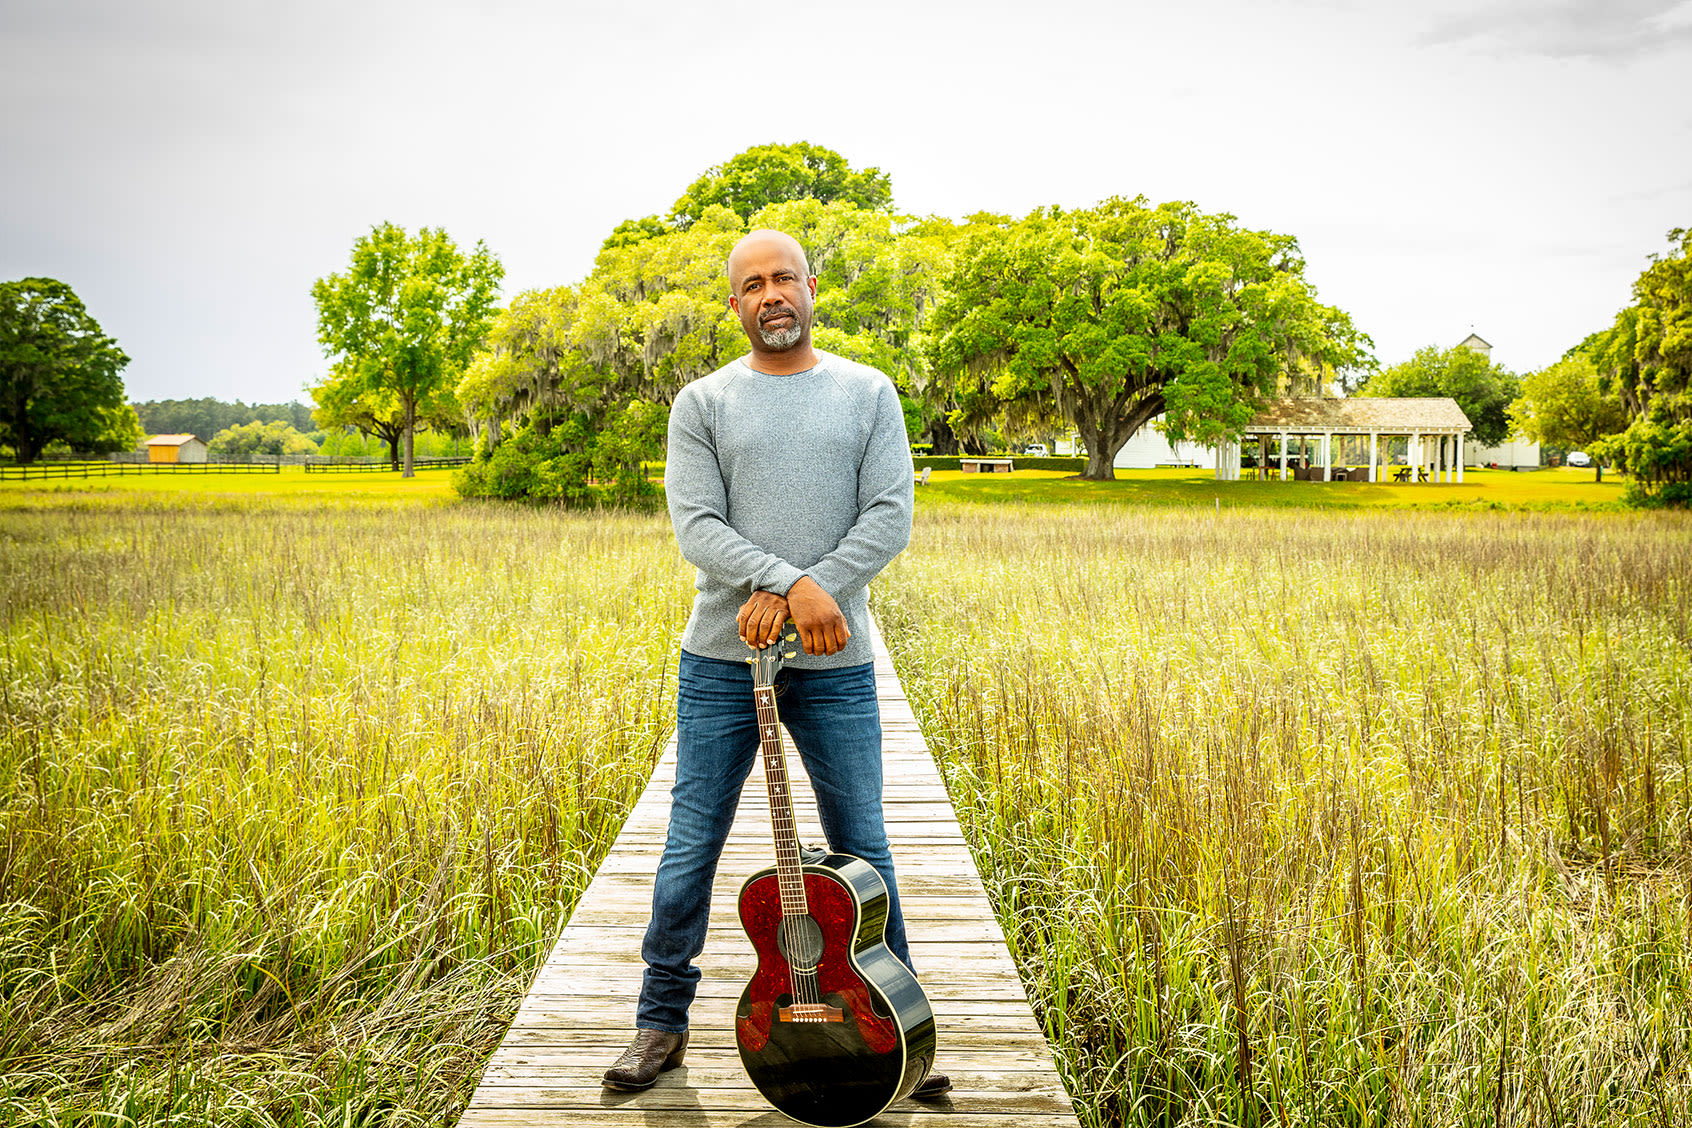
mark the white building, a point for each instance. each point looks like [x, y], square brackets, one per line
[1149, 448]
[1515, 453]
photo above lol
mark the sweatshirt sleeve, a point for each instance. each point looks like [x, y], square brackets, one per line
[886, 496]
[698, 503]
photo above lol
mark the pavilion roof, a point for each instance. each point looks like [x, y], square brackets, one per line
[1395, 415]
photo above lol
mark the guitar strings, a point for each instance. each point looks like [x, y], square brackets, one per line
[803, 984]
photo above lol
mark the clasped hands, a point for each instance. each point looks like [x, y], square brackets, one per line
[822, 627]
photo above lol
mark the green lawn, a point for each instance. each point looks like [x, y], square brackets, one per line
[1483, 489]
[291, 484]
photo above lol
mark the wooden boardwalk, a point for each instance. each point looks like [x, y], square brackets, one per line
[579, 1013]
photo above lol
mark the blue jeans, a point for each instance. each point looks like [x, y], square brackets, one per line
[835, 723]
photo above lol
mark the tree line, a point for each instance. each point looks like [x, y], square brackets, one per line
[1097, 319]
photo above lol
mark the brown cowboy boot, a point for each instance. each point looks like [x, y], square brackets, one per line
[932, 1086]
[652, 1052]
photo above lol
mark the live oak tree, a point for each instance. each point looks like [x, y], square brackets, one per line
[404, 320]
[1117, 314]
[59, 373]
[1568, 404]
[1483, 389]
[748, 182]
[343, 400]
[1648, 353]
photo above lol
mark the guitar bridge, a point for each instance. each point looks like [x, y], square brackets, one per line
[810, 1012]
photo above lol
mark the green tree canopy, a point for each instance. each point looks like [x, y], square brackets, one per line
[1567, 404]
[207, 415]
[343, 400]
[404, 320]
[1648, 353]
[1483, 390]
[1117, 314]
[748, 182]
[273, 438]
[59, 372]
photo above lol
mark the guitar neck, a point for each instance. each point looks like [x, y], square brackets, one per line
[789, 867]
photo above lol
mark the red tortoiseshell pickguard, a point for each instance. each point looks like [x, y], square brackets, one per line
[836, 913]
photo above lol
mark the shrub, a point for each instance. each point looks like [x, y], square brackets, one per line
[564, 459]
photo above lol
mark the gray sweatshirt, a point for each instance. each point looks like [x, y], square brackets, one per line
[770, 478]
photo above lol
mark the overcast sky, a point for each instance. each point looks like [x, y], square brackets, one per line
[191, 167]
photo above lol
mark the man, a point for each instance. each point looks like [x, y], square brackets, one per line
[789, 485]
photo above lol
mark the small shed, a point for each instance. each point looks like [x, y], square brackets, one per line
[1422, 435]
[175, 448]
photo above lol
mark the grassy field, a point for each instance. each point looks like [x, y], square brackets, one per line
[1325, 817]
[293, 800]
[1345, 815]
[291, 486]
[1482, 490]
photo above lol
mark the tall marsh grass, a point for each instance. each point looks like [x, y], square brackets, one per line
[1322, 819]
[1290, 817]
[292, 801]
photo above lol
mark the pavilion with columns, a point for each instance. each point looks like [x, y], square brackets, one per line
[1362, 439]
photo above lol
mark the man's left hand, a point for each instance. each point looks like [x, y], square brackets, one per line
[760, 618]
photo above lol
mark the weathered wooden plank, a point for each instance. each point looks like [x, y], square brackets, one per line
[625, 1109]
[597, 983]
[579, 1011]
[741, 1098]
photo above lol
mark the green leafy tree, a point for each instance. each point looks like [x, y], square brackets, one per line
[59, 372]
[770, 174]
[405, 319]
[120, 429]
[274, 438]
[1483, 390]
[207, 416]
[1117, 314]
[346, 400]
[1567, 404]
[1648, 354]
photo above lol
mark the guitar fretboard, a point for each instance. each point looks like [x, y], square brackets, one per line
[789, 869]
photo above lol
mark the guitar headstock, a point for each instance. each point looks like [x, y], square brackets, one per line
[768, 660]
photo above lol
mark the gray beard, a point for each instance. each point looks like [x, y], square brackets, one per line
[781, 338]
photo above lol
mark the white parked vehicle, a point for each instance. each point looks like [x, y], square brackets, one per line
[1579, 458]
[1036, 450]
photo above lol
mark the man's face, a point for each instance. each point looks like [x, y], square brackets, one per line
[772, 294]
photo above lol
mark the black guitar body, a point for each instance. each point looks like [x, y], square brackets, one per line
[868, 1037]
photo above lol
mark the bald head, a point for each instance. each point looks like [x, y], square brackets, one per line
[763, 247]
[771, 290]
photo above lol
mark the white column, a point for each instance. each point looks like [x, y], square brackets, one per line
[1327, 456]
[1459, 458]
[1374, 458]
[1283, 456]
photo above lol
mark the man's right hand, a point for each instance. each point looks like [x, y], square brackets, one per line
[822, 627]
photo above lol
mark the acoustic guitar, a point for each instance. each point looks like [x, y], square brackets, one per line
[833, 1027]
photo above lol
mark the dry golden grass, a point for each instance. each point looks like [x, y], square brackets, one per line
[293, 801]
[1294, 817]
[1317, 818]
